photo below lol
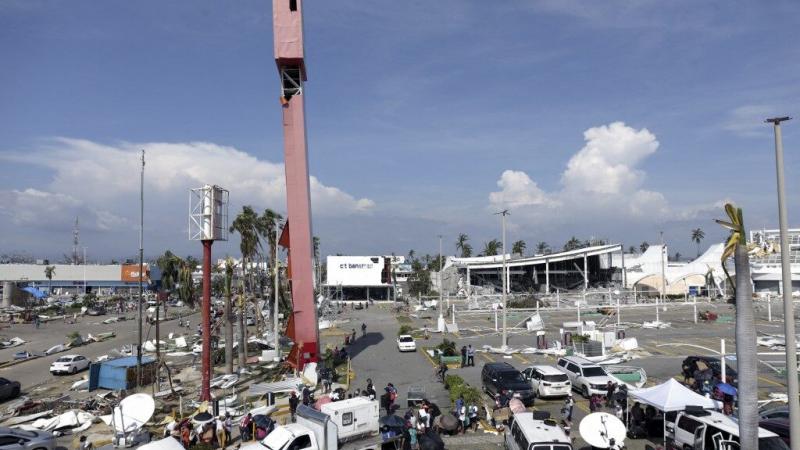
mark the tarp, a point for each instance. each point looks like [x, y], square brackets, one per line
[168, 443]
[35, 292]
[671, 396]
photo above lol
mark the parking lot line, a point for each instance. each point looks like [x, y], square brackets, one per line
[486, 357]
[515, 355]
[767, 380]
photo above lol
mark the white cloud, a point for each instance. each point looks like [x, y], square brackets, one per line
[101, 175]
[602, 181]
[607, 163]
[518, 190]
[35, 208]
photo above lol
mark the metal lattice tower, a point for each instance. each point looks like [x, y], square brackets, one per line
[76, 242]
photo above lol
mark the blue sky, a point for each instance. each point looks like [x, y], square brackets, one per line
[611, 119]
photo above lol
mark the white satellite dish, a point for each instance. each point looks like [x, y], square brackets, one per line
[602, 430]
[132, 413]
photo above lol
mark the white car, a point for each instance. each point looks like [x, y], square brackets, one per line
[547, 381]
[405, 343]
[69, 364]
[586, 377]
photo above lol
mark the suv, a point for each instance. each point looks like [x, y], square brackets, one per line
[502, 376]
[586, 377]
[547, 381]
[689, 365]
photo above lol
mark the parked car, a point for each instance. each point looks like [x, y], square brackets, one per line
[779, 426]
[502, 376]
[708, 429]
[405, 343]
[96, 311]
[689, 365]
[777, 412]
[14, 439]
[69, 364]
[8, 389]
[586, 377]
[547, 381]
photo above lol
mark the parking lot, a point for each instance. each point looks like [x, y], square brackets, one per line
[660, 352]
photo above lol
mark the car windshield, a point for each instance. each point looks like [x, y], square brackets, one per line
[593, 372]
[406, 339]
[555, 378]
[511, 376]
[772, 443]
[23, 433]
[64, 359]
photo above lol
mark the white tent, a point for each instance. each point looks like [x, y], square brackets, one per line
[672, 396]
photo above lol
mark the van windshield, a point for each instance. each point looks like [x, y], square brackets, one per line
[511, 376]
[593, 371]
[772, 443]
[555, 378]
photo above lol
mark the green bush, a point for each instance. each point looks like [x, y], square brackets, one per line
[405, 329]
[448, 348]
[471, 395]
[580, 338]
[452, 381]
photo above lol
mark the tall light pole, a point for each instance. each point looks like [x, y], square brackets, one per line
[141, 269]
[663, 272]
[504, 344]
[786, 279]
[84, 271]
[440, 322]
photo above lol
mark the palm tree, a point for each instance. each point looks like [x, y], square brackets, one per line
[697, 236]
[746, 359]
[542, 248]
[461, 242]
[632, 250]
[492, 247]
[466, 251]
[246, 224]
[411, 254]
[643, 246]
[49, 271]
[519, 247]
[678, 256]
[266, 227]
[229, 317]
[572, 244]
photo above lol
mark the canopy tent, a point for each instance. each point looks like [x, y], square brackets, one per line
[671, 396]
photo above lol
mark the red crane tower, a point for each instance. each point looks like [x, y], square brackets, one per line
[303, 328]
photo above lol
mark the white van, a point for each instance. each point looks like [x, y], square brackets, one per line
[547, 381]
[586, 377]
[710, 430]
[354, 417]
[526, 433]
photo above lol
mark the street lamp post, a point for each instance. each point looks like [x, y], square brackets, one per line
[440, 322]
[786, 280]
[504, 344]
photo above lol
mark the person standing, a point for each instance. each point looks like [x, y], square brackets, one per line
[244, 428]
[462, 417]
[386, 401]
[293, 402]
[463, 356]
[364, 330]
[228, 427]
[220, 429]
[569, 403]
[470, 356]
[610, 388]
[306, 396]
[353, 336]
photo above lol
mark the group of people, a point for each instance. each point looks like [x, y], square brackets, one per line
[215, 433]
[467, 356]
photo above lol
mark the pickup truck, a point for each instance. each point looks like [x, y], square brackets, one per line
[314, 430]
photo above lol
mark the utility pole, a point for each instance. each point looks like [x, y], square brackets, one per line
[84, 271]
[504, 344]
[786, 280]
[440, 322]
[663, 272]
[275, 311]
[141, 269]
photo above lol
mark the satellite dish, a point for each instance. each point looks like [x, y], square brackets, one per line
[132, 413]
[602, 430]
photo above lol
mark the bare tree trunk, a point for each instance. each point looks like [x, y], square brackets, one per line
[746, 359]
[228, 331]
[242, 314]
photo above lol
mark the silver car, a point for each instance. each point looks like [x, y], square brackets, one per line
[13, 439]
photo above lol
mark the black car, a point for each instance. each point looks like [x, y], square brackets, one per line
[689, 365]
[8, 389]
[502, 376]
[779, 426]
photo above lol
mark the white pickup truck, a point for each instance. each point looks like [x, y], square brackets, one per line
[315, 430]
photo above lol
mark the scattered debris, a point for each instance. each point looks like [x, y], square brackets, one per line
[13, 342]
